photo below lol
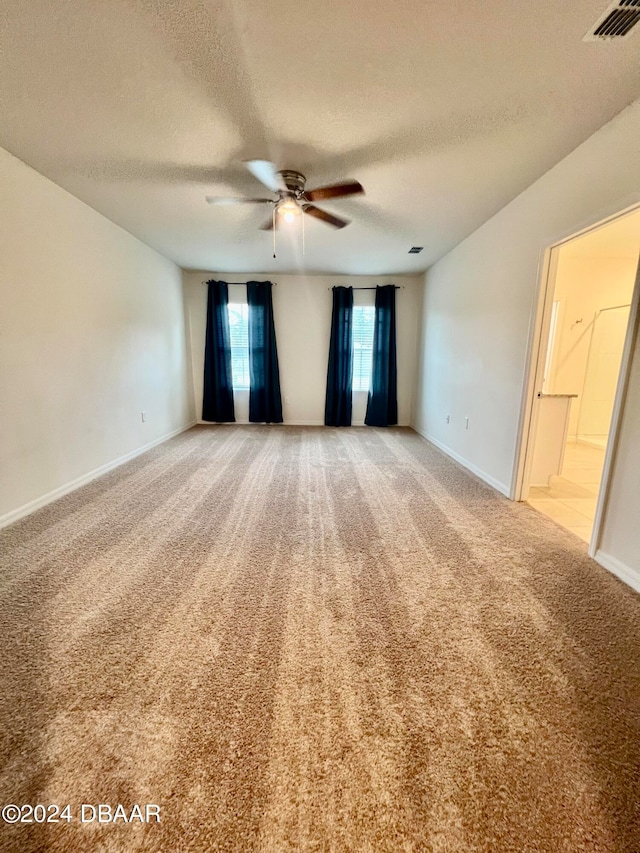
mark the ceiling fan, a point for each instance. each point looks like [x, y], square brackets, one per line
[292, 198]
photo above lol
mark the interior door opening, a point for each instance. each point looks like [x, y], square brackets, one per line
[586, 319]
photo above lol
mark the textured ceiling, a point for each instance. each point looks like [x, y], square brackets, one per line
[443, 111]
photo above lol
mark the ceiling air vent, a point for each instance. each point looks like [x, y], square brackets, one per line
[617, 22]
[415, 250]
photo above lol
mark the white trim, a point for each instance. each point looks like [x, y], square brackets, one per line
[38, 503]
[532, 381]
[619, 569]
[362, 423]
[285, 424]
[495, 484]
[606, 216]
[259, 423]
[616, 417]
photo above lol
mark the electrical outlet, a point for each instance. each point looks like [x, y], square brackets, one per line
[448, 418]
[144, 417]
[466, 423]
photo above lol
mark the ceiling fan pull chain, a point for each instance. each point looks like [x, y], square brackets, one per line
[302, 217]
[274, 230]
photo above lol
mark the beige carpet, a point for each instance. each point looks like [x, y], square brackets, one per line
[307, 639]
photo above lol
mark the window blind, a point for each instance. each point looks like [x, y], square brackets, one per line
[239, 335]
[363, 325]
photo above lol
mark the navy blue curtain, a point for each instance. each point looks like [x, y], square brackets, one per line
[337, 409]
[265, 402]
[217, 400]
[382, 405]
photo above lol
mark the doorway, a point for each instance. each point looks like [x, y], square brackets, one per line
[590, 292]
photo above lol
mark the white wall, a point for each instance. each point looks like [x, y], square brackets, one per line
[302, 315]
[91, 334]
[479, 305]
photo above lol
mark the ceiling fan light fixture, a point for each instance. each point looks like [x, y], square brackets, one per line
[289, 210]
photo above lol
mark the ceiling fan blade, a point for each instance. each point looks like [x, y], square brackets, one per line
[211, 199]
[335, 191]
[267, 174]
[329, 218]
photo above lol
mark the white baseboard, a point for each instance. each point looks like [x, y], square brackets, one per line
[495, 484]
[32, 506]
[362, 423]
[250, 423]
[601, 444]
[619, 569]
[287, 423]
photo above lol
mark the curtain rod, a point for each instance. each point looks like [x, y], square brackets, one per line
[274, 283]
[396, 287]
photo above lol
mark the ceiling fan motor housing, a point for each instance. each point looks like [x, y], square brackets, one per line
[294, 181]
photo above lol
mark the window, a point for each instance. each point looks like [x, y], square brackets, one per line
[239, 334]
[363, 322]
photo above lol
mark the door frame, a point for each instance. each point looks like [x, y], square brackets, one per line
[539, 337]
[616, 417]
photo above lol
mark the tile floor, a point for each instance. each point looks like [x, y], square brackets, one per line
[570, 499]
